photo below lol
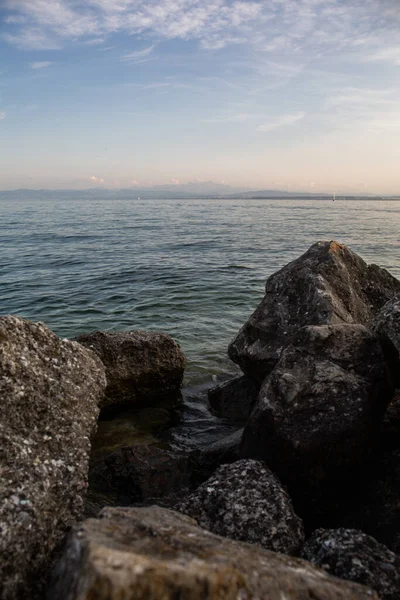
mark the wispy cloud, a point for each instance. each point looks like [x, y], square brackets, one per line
[138, 56]
[42, 64]
[390, 55]
[3, 115]
[281, 121]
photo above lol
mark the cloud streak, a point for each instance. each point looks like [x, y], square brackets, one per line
[3, 115]
[41, 64]
[281, 121]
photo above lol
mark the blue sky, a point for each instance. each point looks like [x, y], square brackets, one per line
[284, 94]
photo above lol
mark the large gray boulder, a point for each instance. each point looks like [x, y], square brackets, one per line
[49, 395]
[387, 325]
[353, 555]
[329, 284]
[320, 410]
[245, 501]
[154, 553]
[141, 366]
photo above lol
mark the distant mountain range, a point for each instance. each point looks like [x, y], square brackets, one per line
[196, 189]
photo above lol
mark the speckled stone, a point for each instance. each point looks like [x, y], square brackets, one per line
[49, 395]
[158, 554]
[319, 412]
[141, 366]
[245, 501]
[328, 284]
[353, 555]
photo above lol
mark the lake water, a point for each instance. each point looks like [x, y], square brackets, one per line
[193, 268]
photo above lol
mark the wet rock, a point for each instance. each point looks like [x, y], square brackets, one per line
[207, 460]
[49, 390]
[245, 501]
[141, 366]
[387, 325]
[140, 474]
[154, 553]
[319, 412]
[329, 284]
[351, 554]
[234, 399]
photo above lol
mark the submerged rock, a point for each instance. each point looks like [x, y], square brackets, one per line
[154, 553]
[353, 555]
[234, 399]
[319, 412]
[141, 366]
[49, 391]
[141, 475]
[245, 501]
[329, 284]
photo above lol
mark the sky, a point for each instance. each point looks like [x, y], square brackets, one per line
[297, 95]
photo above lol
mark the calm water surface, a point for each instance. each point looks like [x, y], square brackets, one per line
[193, 268]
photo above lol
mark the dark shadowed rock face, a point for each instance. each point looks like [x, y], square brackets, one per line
[387, 325]
[350, 554]
[328, 284]
[153, 553]
[141, 474]
[207, 460]
[245, 501]
[234, 399]
[141, 366]
[49, 394]
[320, 410]
[376, 509]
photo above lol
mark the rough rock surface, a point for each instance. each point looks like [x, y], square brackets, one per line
[350, 554]
[154, 553]
[141, 366]
[320, 410]
[207, 460]
[328, 284]
[387, 325]
[141, 474]
[234, 399]
[245, 501]
[49, 391]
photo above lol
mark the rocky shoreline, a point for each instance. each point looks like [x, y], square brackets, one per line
[301, 501]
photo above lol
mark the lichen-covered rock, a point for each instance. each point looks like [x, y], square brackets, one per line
[141, 474]
[387, 325]
[328, 284]
[245, 501]
[320, 410]
[141, 366]
[206, 460]
[353, 555]
[154, 553]
[234, 399]
[49, 395]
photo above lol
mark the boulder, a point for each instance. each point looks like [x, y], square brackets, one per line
[234, 399]
[141, 366]
[329, 284]
[153, 553]
[207, 460]
[319, 412]
[245, 501]
[387, 325]
[140, 474]
[353, 555]
[49, 393]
